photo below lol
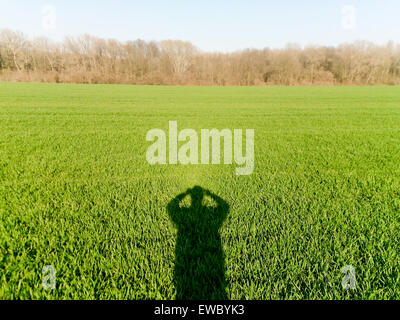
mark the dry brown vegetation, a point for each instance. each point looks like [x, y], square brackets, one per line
[88, 59]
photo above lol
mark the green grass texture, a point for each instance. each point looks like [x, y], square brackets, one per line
[77, 193]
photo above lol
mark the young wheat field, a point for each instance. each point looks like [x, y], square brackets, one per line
[77, 194]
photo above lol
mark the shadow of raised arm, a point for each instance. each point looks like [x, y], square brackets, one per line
[174, 203]
[220, 202]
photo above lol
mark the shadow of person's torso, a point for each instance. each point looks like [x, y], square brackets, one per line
[199, 259]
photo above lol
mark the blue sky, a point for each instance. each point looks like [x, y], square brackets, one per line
[212, 25]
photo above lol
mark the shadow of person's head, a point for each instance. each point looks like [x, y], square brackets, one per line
[197, 196]
[198, 207]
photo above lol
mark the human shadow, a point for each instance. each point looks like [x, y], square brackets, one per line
[199, 272]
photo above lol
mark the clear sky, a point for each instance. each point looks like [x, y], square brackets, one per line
[212, 25]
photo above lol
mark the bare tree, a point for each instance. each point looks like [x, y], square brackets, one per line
[14, 43]
[87, 59]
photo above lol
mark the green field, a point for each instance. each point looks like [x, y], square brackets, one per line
[76, 192]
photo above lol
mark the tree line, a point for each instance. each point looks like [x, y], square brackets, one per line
[88, 59]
